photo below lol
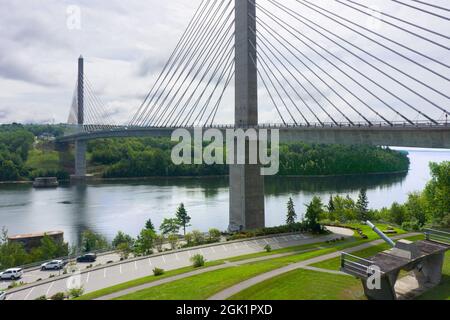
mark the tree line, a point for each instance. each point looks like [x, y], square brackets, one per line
[430, 207]
[146, 157]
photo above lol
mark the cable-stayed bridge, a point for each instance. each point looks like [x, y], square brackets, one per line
[320, 71]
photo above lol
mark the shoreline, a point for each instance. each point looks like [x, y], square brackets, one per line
[100, 179]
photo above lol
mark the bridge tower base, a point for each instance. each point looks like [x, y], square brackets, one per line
[80, 162]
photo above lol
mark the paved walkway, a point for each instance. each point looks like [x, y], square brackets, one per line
[227, 293]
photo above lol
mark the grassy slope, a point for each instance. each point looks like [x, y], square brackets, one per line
[319, 286]
[320, 249]
[304, 285]
[205, 285]
[45, 160]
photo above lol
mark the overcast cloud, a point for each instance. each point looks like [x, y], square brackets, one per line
[126, 43]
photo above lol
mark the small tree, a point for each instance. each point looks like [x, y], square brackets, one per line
[125, 250]
[92, 241]
[169, 226]
[149, 225]
[183, 217]
[291, 214]
[145, 241]
[159, 242]
[189, 238]
[173, 241]
[330, 207]
[313, 213]
[121, 238]
[362, 205]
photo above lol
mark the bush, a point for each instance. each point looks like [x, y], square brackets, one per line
[58, 296]
[214, 235]
[198, 238]
[41, 298]
[75, 292]
[268, 248]
[198, 261]
[158, 272]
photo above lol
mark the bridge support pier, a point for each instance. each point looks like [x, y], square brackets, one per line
[80, 162]
[246, 182]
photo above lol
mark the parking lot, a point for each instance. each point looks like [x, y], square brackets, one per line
[107, 276]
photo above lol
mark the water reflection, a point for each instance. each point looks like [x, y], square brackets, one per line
[342, 184]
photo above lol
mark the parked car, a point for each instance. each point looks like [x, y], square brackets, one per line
[2, 295]
[11, 274]
[52, 265]
[90, 257]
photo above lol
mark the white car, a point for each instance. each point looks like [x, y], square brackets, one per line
[53, 265]
[2, 295]
[11, 274]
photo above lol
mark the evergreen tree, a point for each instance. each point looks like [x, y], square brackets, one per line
[169, 226]
[313, 212]
[330, 205]
[362, 205]
[149, 225]
[183, 217]
[291, 215]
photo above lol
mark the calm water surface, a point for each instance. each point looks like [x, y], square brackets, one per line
[126, 205]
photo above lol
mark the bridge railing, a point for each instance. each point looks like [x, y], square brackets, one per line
[72, 130]
[437, 236]
[356, 266]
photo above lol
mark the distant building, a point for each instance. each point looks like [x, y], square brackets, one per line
[33, 240]
[46, 137]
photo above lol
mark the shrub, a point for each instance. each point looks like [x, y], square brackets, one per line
[198, 261]
[198, 238]
[214, 235]
[268, 248]
[75, 292]
[41, 298]
[158, 272]
[58, 296]
[173, 241]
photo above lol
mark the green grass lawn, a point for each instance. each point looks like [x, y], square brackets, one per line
[205, 285]
[169, 291]
[44, 160]
[304, 285]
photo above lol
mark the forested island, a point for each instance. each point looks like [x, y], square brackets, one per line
[28, 151]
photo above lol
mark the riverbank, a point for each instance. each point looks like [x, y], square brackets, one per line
[101, 179]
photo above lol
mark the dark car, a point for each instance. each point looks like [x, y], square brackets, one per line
[90, 257]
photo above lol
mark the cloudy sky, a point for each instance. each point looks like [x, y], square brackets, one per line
[126, 43]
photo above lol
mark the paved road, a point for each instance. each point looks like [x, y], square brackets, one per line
[229, 292]
[114, 274]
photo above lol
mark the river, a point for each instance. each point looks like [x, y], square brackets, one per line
[108, 207]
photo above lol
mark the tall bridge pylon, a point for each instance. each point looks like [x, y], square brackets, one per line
[246, 182]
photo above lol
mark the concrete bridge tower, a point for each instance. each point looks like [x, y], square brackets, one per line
[246, 182]
[80, 145]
